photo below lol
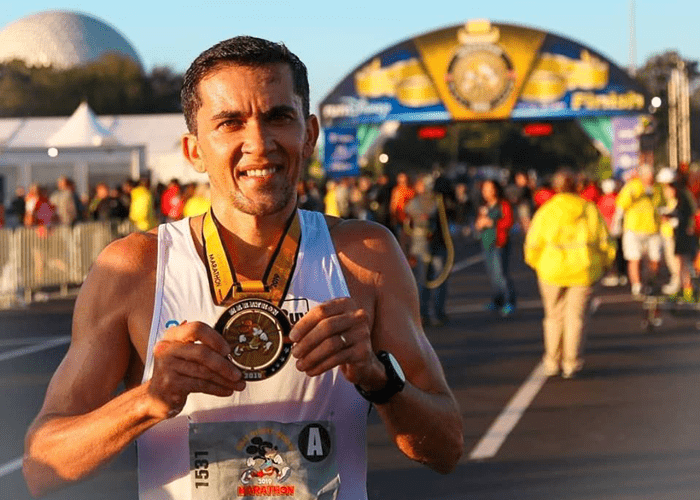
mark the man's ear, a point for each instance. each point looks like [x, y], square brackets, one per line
[312, 131]
[190, 148]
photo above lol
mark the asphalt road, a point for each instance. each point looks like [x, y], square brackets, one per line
[627, 428]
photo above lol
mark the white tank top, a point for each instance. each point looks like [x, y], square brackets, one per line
[182, 293]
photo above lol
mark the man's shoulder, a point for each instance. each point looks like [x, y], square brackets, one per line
[134, 254]
[362, 241]
[354, 230]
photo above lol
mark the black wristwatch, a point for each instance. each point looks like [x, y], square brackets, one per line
[395, 383]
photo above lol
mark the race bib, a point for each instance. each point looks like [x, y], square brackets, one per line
[263, 460]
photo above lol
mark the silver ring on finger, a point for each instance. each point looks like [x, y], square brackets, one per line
[343, 340]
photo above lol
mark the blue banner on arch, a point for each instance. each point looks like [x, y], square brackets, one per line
[341, 149]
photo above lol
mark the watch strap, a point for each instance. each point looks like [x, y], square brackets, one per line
[395, 383]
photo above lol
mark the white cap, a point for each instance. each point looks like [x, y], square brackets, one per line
[666, 176]
[608, 186]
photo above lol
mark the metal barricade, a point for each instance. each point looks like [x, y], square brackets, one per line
[36, 260]
[9, 266]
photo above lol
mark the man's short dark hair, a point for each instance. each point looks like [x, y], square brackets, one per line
[245, 51]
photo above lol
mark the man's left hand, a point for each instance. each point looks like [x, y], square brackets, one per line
[337, 333]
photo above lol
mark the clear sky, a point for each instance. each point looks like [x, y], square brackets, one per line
[333, 37]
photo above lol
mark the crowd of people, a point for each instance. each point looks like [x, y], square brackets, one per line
[133, 200]
[653, 218]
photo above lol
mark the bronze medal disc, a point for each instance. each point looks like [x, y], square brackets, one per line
[258, 333]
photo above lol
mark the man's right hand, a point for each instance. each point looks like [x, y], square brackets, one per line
[191, 357]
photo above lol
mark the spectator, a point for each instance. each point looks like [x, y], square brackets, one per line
[587, 189]
[118, 203]
[359, 199]
[141, 209]
[520, 197]
[400, 196]
[427, 249]
[330, 202]
[379, 196]
[80, 205]
[463, 211]
[494, 222]
[542, 195]
[342, 195]
[677, 229]
[606, 206]
[99, 208]
[569, 247]
[40, 211]
[63, 199]
[171, 202]
[306, 200]
[199, 202]
[17, 208]
[639, 201]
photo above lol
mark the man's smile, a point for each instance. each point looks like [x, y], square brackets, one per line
[260, 173]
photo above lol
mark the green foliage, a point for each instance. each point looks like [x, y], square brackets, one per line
[114, 84]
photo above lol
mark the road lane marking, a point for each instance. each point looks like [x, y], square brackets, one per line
[468, 262]
[489, 445]
[11, 467]
[49, 344]
[537, 304]
[23, 341]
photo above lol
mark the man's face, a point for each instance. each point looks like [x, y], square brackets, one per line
[252, 137]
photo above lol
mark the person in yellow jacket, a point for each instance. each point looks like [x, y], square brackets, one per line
[141, 211]
[569, 247]
[639, 202]
[199, 203]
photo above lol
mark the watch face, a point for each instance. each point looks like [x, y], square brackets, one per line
[397, 367]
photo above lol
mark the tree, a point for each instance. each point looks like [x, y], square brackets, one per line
[114, 84]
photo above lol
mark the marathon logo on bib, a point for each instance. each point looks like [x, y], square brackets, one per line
[263, 460]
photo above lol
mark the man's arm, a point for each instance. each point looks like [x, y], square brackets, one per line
[82, 425]
[424, 419]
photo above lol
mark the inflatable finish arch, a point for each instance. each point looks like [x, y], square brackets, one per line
[483, 71]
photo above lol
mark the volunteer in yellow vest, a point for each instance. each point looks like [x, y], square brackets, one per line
[569, 247]
[639, 202]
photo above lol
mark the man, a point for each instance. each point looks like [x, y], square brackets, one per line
[638, 202]
[569, 248]
[213, 410]
[63, 200]
[429, 249]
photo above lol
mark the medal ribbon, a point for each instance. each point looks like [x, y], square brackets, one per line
[223, 282]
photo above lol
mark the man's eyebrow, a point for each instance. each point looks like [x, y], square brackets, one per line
[280, 110]
[229, 115]
[272, 112]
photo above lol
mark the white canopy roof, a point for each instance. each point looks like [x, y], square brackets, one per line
[82, 130]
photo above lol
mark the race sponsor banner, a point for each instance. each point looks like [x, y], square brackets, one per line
[625, 146]
[341, 153]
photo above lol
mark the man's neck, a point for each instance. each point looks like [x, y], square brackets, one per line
[250, 240]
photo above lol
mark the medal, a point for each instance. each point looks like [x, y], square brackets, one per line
[254, 326]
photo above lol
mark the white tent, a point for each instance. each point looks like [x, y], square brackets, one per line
[82, 130]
